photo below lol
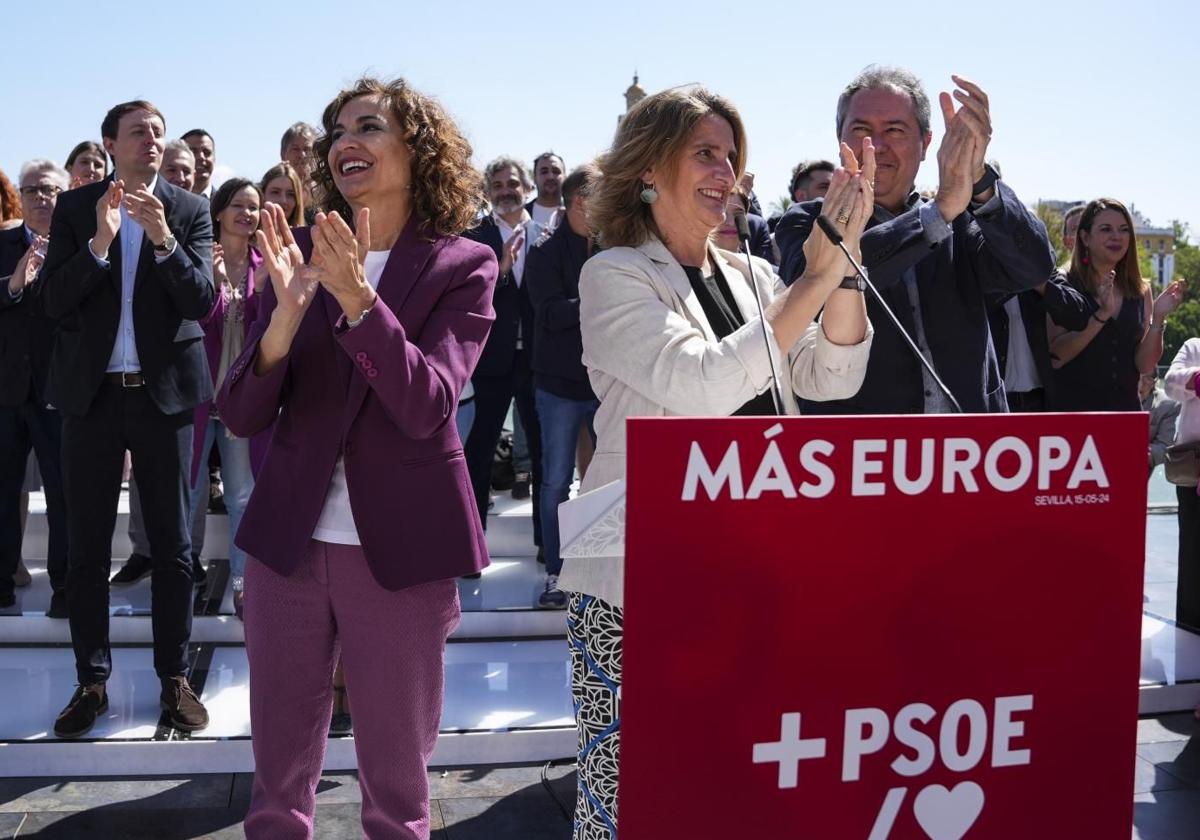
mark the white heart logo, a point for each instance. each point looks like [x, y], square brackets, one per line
[948, 814]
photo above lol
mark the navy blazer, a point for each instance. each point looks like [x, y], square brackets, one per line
[552, 278]
[1066, 306]
[998, 251]
[26, 334]
[169, 297]
[512, 306]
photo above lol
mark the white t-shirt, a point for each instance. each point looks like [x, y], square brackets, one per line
[543, 215]
[336, 523]
[1020, 370]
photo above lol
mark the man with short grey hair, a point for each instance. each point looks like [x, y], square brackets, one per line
[935, 262]
[27, 420]
[179, 164]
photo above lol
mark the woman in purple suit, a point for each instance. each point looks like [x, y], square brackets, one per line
[363, 515]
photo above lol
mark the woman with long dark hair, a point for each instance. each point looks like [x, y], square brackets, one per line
[1097, 368]
[239, 281]
[363, 517]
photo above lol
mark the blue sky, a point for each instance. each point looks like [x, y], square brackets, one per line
[1087, 100]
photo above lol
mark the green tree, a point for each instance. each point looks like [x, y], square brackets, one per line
[1183, 324]
[780, 205]
[1053, 221]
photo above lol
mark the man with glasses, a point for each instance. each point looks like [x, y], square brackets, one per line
[26, 417]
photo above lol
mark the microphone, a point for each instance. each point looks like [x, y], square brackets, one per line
[835, 236]
[743, 230]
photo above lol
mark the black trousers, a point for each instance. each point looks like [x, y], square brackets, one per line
[493, 394]
[21, 427]
[1187, 590]
[93, 455]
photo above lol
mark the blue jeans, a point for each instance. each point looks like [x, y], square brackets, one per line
[560, 419]
[464, 419]
[237, 481]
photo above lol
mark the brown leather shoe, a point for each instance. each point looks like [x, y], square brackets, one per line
[88, 702]
[184, 709]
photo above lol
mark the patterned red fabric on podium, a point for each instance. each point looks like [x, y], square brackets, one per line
[882, 627]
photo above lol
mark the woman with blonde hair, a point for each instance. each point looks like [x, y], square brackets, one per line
[1097, 368]
[670, 327]
[282, 185]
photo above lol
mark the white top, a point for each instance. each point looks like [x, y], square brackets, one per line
[1020, 371]
[650, 351]
[543, 215]
[1179, 381]
[336, 523]
[532, 231]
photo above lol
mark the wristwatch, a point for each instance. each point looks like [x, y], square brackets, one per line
[853, 282]
[362, 317]
[985, 183]
[167, 246]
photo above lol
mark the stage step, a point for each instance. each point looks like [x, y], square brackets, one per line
[509, 529]
[506, 702]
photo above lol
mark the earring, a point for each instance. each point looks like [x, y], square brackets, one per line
[649, 194]
[1084, 259]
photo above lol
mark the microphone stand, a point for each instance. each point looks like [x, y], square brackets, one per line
[835, 237]
[743, 229]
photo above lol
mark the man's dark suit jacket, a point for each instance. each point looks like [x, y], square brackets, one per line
[1000, 251]
[26, 334]
[168, 300]
[552, 277]
[1065, 304]
[512, 306]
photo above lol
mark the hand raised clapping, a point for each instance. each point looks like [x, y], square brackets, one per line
[1169, 300]
[295, 284]
[849, 204]
[964, 146]
[147, 210]
[28, 266]
[340, 252]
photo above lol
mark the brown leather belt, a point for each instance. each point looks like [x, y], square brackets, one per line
[125, 380]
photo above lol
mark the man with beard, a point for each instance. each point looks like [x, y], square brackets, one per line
[205, 151]
[549, 173]
[128, 274]
[935, 262]
[26, 416]
[504, 372]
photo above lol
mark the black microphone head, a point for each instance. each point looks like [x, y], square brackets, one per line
[743, 227]
[835, 235]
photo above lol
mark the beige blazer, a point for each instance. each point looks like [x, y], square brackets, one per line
[650, 352]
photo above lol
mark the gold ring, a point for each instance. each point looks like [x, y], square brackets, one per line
[842, 217]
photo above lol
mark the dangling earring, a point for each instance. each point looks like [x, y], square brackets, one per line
[1084, 258]
[649, 194]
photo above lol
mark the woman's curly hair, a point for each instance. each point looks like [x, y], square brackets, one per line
[446, 190]
[10, 201]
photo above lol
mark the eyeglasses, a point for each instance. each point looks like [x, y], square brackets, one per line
[44, 190]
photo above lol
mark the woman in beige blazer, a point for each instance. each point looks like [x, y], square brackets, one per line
[670, 327]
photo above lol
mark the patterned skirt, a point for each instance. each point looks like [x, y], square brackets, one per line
[594, 631]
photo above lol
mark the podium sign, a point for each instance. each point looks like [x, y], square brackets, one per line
[882, 627]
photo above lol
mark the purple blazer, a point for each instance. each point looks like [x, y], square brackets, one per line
[214, 336]
[383, 396]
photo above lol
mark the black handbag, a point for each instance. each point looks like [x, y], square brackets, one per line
[1182, 466]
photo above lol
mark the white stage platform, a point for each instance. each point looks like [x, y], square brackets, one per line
[507, 667]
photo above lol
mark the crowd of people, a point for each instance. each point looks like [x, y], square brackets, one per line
[350, 331]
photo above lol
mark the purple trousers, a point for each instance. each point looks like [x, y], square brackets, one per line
[392, 645]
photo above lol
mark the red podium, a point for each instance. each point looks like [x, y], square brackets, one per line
[882, 627]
